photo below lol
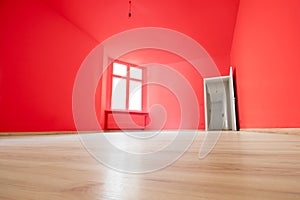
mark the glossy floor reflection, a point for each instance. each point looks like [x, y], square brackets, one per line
[241, 166]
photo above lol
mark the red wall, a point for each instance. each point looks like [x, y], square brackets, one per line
[175, 78]
[43, 43]
[178, 76]
[40, 54]
[265, 53]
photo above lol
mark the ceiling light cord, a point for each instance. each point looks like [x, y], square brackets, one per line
[129, 13]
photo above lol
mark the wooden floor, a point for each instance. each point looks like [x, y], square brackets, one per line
[241, 166]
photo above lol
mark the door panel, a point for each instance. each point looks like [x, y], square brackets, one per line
[219, 103]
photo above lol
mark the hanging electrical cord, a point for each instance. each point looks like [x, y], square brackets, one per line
[129, 12]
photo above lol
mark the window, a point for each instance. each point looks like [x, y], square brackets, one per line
[127, 92]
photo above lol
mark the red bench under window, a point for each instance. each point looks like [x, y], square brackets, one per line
[125, 120]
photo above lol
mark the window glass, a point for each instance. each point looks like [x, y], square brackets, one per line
[136, 73]
[118, 101]
[135, 95]
[119, 69]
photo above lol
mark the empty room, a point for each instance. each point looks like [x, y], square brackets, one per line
[147, 99]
